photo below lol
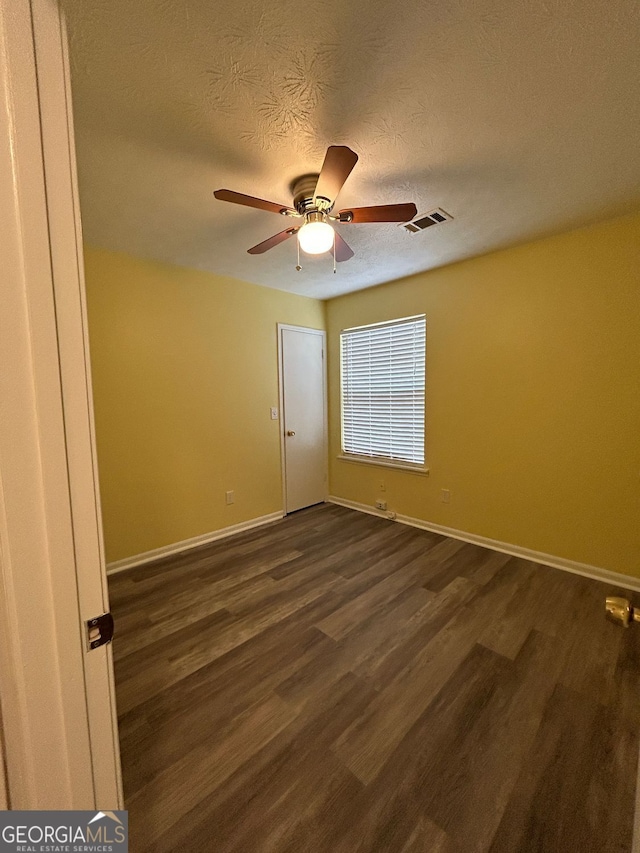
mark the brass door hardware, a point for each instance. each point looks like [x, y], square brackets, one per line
[621, 611]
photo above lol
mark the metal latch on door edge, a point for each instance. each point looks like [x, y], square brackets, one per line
[99, 630]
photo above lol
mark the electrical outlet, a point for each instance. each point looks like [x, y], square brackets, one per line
[380, 504]
[230, 497]
[383, 487]
[445, 496]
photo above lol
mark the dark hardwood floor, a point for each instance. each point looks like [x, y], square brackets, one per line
[336, 682]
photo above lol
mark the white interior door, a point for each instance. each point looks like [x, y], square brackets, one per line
[57, 706]
[304, 420]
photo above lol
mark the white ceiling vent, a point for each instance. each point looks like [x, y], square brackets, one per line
[426, 220]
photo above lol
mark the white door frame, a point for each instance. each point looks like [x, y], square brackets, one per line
[56, 699]
[283, 453]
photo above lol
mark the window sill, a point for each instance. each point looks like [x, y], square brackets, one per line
[384, 463]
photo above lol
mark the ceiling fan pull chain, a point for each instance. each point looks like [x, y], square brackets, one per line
[334, 255]
[298, 267]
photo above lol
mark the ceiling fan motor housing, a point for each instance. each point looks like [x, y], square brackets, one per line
[304, 201]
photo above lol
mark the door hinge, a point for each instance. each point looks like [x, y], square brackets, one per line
[99, 631]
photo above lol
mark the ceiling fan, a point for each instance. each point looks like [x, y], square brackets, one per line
[313, 199]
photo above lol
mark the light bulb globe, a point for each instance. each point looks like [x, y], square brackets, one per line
[315, 237]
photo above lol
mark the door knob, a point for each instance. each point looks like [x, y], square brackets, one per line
[291, 432]
[620, 611]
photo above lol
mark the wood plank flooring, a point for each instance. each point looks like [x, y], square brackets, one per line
[336, 683]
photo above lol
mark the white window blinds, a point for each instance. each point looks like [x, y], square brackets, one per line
[383, 385]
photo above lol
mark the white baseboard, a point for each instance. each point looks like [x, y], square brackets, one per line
[584, 569]
[187, 544]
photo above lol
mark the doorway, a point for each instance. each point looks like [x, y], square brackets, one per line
[303, 407]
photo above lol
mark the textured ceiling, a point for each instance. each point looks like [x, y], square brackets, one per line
[519, 117]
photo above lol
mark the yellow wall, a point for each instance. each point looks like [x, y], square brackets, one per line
[184, 372]
[533, 395]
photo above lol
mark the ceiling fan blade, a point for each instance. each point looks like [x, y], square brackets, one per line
[338, 163]
[272, 241]
[343, 251]
[250, 201]
[379, 213]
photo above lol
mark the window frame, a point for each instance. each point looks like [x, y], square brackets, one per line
[382, 461]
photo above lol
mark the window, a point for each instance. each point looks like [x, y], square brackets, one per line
[383, 385]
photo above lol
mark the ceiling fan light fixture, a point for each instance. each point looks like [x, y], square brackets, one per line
[316, 235]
